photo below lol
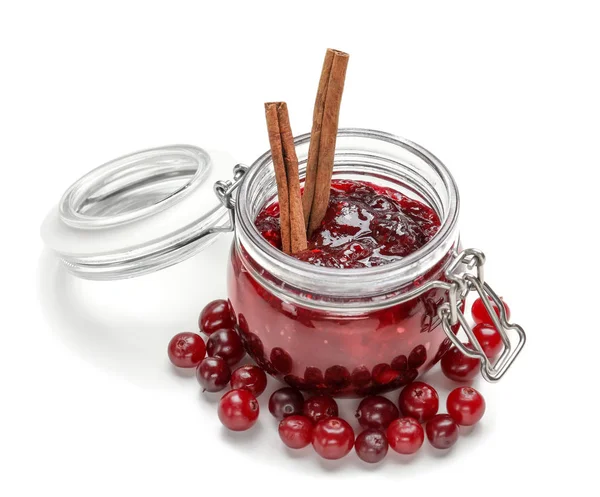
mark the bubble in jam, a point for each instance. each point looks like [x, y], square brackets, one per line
[365, 225]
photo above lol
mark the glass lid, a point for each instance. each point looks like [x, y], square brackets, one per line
[139, 213]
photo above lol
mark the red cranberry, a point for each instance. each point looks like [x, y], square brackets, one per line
[186, 350]
[466, 405]
[459, 367]
[320, 407]
[371, 445]
[442, 431]
[383, 374]
[480, 313]
[376, 412]
[361, 376]
[238, 410]
[213, 374]
[400, 363]
[332, 438]
[286, 402]
[405, 435]
[337, 377]
[313, 376]
[417, 357]
[252, 378]
[419, 400]
[226, 343]
[489, 339]
[296, 431]
[215, 316]
[281, 360]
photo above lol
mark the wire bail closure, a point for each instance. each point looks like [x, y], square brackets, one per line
[224, 192]
[450, 314]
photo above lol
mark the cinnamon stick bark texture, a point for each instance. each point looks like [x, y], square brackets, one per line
[285, 162]
[321, 151]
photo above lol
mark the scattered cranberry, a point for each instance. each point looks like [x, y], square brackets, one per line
[459, 367]
[405, 435]
[442, 431]
[238, 410]
[215, 316]
[296, 431]
[332, 438]
[419, 400]
[489, 339]
[480, 313]
[466, 405]
[371, 445]
[226, 343]
[319, 408]
[186, 350]
[213, 374]
[286, 402]
[252, 378]
[376, 412]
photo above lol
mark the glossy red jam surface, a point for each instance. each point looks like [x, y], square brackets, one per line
[340, 353]
[365, 225]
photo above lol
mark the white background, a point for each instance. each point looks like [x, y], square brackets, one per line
[506, 96]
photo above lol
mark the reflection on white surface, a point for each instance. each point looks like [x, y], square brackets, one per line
[124, 326]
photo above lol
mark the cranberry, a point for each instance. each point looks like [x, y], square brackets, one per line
[376, 412]
[252, 378]
[417, 357]
[186, 350]
[466, 405]
[286, 402]
[442, 431]
[480, 313]
[215, 316]
[213, 374]
[313, 376]
[383, 374]
[459, 367]
[419, 400]
[319, 408]
[400, 363]
[281, 360]
[371, 445]
[361, 376]
[332, 438]
[489, 339]
[238, 410]
[296, 431]
[405, 435]
[337, 377]
[226, 343]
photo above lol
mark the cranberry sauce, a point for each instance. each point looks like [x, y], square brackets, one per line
[365, 225]
[339, 352]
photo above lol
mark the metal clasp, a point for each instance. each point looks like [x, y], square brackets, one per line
[224, 192]
[461, 285]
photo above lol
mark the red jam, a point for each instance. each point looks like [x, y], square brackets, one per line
[341, 353]
[365, 225]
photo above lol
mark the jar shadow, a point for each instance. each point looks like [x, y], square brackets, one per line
[124, 326]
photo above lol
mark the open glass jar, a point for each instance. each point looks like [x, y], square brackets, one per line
[347, 332]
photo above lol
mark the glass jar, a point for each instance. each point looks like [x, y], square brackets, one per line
[347, 332]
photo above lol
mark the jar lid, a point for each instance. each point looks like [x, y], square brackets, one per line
[139, 213]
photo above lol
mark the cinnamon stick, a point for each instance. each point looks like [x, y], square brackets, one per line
[285, 163]
[321, 151]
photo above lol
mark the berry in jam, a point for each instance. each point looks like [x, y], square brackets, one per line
[365, 225]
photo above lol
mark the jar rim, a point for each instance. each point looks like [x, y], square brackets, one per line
[415, 264]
